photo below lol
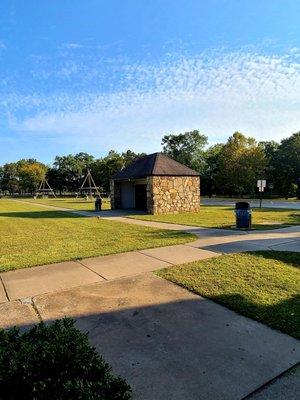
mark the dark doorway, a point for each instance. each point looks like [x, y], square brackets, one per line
[141, 197]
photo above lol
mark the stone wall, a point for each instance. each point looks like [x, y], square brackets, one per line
[172, 194]
[115, 195]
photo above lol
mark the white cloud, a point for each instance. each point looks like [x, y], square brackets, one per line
[2, 45]
[72, 45]
[217, 94]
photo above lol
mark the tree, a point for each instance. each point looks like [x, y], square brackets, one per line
[68, 171]
[270, 149]
[30, 174]
[241, 162]
[211, 169]
[10, 180]
[286, 166]
[104, 168]
[186, 148]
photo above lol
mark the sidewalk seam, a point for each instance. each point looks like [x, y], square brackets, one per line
[101, 276]
[155, 258]
[269, 382]
[36, 309]
[4, 288]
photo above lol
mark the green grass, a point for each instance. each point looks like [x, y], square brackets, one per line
[224, 217]
[262, 285]
[32, 236]
[69, 202]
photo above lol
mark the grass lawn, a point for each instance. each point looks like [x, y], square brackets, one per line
[32, 236]
[223, 217]
[69, 202]
[262, 285]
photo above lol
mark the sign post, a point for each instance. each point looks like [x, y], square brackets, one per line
[271, 187]
[261, 184]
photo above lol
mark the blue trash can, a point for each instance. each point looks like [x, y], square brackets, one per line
[243, 215]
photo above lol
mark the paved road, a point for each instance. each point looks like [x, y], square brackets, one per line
[294, 205]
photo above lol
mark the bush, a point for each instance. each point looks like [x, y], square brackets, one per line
[55, 362]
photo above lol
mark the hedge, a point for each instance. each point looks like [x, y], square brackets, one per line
[55, 362]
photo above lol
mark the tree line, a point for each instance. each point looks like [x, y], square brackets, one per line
[230, 168]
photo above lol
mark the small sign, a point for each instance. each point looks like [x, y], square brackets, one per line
[271, 185]
[261, 183]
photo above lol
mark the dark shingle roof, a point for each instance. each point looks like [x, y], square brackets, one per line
[154, 164]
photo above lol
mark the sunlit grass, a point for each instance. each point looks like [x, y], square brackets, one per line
[263, 285]
[79, 203]
[224, 217]
[31, 235]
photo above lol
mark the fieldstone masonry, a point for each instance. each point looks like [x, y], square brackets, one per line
[115, 198]
[164, 186]
[173, 194]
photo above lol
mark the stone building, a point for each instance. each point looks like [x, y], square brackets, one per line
[156, 184]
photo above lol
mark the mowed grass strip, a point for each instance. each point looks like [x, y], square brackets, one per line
[79, 203]
[224, 217]
[262, 285]
[32, 236]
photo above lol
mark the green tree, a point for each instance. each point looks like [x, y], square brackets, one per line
[270, 149]
[211, 169]
[186, 148]
[30, 174]
[241, 162]
[68, 171]
[104, 168]
[10, 179]
[286, 166]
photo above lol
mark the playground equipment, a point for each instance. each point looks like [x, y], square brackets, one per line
[44, 189]
[88, 186]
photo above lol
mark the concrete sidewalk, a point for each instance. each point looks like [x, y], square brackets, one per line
[169, 343]
[30, 282]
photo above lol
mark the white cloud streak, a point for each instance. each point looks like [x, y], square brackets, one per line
[217, 94]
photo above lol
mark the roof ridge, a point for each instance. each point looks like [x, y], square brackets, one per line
[155, 161]
[154, 164]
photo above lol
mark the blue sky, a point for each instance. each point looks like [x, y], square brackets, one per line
[98, 75]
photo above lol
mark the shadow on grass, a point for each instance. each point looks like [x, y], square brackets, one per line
[290, 257]
[284, 315]
[40, 214]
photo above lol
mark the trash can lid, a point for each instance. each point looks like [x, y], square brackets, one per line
[242, 205]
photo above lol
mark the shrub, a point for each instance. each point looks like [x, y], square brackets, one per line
[55, 362]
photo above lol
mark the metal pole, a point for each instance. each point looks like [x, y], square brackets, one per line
[260, 200]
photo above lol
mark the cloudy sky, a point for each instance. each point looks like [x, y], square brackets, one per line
[93, 75]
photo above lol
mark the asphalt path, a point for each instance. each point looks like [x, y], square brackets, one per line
[294, 205]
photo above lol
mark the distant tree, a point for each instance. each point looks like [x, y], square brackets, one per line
[68, 171]
[10, 179]
[104, 168]
[286, 166]
[30, 174]
[270, 149]
[186, 148]
[241, 162]
[1, 178]
[129, 156]
[211, 169]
